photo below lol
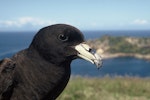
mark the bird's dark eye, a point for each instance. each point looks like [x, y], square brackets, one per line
[62, 37]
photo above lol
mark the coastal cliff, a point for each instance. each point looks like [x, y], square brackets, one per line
[122, 46]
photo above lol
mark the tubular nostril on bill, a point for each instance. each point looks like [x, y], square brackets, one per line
[90, 49]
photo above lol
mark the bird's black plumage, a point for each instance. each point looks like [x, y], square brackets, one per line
[6, 78]
[42, 71]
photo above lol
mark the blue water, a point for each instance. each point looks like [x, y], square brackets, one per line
[12, 42]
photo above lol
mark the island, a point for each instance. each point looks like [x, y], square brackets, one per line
[121, 46]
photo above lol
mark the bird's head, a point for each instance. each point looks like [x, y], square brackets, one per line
[62, 43]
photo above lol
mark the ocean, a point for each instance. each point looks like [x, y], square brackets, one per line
[12, 42]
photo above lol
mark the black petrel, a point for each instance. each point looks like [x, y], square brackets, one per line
[42, 71]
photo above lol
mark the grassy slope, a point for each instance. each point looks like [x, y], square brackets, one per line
[118, 88]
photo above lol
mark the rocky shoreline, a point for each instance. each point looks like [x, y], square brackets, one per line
[116, 55]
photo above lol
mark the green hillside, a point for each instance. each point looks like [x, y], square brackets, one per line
[113, 44]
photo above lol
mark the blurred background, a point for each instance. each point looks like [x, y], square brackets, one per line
[119, 30]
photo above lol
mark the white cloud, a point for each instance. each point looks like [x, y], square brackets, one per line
[140, 22]
[23, 21]
[7, 23]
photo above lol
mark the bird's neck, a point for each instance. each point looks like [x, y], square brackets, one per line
[53, 58]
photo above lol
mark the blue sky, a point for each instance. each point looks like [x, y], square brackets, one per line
[19, 15]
